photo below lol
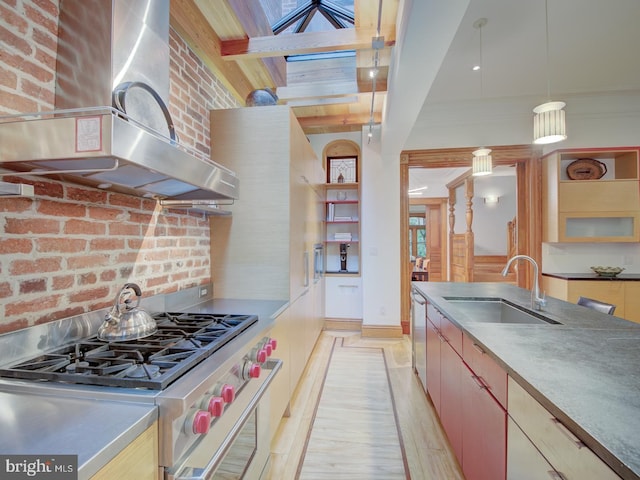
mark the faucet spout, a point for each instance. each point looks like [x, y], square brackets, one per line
[537, 302]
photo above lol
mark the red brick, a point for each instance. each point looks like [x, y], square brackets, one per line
[84, 227]
[47, 6]
[39, 266]
[61, 209]
[120, 200]
[39, 304]
[177, 232]
[126, 257]
[15, 42]
[31, 225]
[61, 244]
[63, 282]
[179, 276]
[108, 276]
[86, 195]
[12, 326]
[87, 278]
[152, 282]
[87, 261]
[8, 79]
[33, 286]
[106, 244]
[5, 290]
[47, 189]
[15, 204]
[15, 245]
[107, 214]
[124, 229]
[38, 18]
[89, 295]
[141, 217]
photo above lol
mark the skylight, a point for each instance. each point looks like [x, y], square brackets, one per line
[289, 16]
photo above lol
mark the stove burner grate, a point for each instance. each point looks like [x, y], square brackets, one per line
[182, 341]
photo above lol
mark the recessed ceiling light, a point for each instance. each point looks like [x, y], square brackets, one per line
[475, 68]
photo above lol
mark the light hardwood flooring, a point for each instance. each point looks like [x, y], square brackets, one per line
[359, 412]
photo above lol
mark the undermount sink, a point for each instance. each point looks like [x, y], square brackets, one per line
[498, 310]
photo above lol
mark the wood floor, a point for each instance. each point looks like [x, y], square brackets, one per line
[360, 413]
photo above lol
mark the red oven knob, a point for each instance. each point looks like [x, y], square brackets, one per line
[214, 405]
[250, 370]
[269, 348]
[261, 356]
[254, 370]
[228, 392]
[274, 343]
[200, 422]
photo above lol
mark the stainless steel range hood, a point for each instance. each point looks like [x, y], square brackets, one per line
[103, 44]
[99, 147]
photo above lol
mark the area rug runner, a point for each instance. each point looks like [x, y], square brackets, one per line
[354, 434]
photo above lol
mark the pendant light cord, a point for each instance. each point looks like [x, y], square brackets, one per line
[546, 23]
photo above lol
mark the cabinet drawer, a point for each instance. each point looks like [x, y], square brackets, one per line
[485, 367]
[599, 196]
[567, 454]
[452, 334]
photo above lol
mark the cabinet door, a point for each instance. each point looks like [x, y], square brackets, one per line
[491, 374]
[524, 461]
[433, 364]
[451, 396]
[631, 302]
[566, 453]
[484, 430]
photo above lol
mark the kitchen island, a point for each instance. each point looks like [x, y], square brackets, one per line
[584, 369]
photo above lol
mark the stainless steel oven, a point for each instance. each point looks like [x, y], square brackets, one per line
[237, 446]
[209, 375]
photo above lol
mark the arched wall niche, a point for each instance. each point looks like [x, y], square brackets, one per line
[340, 148]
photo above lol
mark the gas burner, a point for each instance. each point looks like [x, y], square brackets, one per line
[143, 370]
[182, 341]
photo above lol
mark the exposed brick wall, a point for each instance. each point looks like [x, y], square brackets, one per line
[69, 249]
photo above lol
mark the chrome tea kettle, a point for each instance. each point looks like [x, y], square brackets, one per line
[129, 323]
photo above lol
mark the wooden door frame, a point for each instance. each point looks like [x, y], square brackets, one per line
[526, 158]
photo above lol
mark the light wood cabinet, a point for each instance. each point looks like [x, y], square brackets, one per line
[138, 460]
[567, 454]
[625, 295]
[600, 210]
[264, 250]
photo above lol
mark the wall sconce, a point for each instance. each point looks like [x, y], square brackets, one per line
[491, 199]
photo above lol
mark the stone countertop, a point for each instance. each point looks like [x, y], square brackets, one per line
[96, 431]
[585, 371]
[625, 277]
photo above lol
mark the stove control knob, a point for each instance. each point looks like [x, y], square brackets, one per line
[274, 343]
[261, 356]
[251, 370]
[228, 392]
[214, 405]
[269, 348]
[198, 422]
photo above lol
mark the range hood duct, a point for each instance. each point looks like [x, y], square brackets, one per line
[102, 45]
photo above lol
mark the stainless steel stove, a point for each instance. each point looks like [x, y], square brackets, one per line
[207, 373]
[182, 341]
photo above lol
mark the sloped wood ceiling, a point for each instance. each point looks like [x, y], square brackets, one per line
[234, 38]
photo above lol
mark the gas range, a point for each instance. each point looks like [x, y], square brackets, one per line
[205, 372]
[182, 341]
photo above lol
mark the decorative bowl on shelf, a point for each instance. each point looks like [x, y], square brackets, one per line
[607, 271]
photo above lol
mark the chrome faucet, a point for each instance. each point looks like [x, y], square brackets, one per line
[537, 302]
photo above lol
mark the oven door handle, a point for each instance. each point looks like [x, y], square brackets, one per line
[272, 364]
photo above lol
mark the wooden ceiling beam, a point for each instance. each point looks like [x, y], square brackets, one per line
[301, 43]
[315, 90]
[340, 121]
[187, 20]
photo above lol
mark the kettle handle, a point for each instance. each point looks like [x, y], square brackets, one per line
[127, 286]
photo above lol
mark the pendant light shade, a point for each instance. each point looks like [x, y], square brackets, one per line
[482, 162]
[549, 123]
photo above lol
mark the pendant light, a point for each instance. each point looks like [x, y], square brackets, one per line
[482, 164]
[549, 119]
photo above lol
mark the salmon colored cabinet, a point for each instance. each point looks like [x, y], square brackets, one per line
[484, 431]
